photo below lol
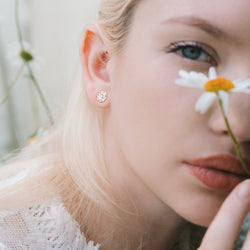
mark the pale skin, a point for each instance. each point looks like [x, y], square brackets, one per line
[151, 125]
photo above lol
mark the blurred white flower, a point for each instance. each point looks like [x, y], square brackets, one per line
[214, 87]
[34, 138]
[17, 55]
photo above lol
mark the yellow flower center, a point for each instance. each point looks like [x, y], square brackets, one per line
[32, 139]
[218, 84]
[26, 56]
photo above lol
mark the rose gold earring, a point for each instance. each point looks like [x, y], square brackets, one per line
[101, 96]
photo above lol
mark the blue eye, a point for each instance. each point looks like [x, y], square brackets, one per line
[191, 51]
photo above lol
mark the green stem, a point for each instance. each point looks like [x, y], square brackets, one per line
[40, 93]
[12, 84]
[35, 108]
[236, 145]
[31, 75]
[20, 37]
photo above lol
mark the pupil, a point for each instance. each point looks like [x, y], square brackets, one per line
[192, 52]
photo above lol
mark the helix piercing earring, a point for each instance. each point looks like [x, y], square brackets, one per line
[101, 96]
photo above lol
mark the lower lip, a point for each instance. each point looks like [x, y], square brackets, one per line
[215, 179]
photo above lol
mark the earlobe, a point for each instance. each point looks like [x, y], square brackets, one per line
[94, 58]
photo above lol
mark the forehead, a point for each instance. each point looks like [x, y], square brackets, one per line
[231, 16]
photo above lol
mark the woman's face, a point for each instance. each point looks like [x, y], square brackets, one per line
[155, 128]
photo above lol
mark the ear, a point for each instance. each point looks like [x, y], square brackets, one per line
[94, 58]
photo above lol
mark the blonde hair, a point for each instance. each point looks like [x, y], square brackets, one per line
[83, 128]
[115, 18]
[77, 139]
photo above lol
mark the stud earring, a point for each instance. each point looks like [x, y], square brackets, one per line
[101, 96]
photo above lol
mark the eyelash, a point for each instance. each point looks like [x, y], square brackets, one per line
[179, 46]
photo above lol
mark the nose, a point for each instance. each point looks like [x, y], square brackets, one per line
[238, 117]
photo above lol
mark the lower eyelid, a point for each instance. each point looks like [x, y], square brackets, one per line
[191, 65]
[193, 60]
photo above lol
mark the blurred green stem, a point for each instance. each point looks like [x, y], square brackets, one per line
[30, 72]
[35, 107]
[36, 85]
[20, 38]
[12, 84]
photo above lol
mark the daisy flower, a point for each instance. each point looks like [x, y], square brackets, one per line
[39, 133]
[17, 56]
[24, 55]
[213, 86]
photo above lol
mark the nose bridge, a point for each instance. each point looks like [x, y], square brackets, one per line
[239, 66]
[239, 115]
[239, 103]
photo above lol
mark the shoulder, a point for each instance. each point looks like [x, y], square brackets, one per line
[41, 226]
[27, 181]
[32, 208]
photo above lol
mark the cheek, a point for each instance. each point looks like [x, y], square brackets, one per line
[152, 118]
[144, 108]
[148, 107]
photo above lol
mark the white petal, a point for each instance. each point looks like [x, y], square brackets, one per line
[212, 73]
[26, 45]
[203, 77]
[194, 75]
[191, 79]
[199, 77]
[223, 95]
[205, 102]
[242, 84]
[188, 83]
[245, 91]
[183, 74]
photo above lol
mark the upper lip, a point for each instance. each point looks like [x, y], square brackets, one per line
[221, 162]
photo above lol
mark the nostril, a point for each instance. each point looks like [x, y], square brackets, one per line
[224, 132]
[217, 124]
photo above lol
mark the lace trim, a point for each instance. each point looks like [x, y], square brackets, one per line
[46, 226]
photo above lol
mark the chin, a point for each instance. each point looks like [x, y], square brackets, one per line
[201, 207]
[202, 220]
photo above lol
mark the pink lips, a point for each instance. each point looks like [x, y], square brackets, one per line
[219, 172]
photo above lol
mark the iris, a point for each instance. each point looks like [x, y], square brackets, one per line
[191, 52]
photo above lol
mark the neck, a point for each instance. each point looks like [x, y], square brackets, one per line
[135, 229]
[146, 217]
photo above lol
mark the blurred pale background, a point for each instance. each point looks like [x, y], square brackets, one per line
[54, 29]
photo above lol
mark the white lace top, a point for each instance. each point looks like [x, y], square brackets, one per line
[40, 227]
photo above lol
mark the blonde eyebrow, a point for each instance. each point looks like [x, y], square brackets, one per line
[202, 25]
